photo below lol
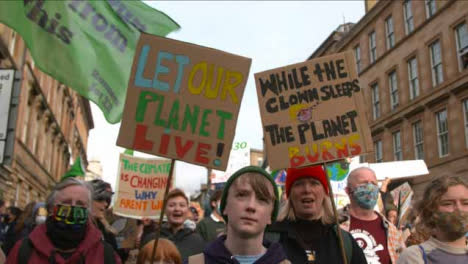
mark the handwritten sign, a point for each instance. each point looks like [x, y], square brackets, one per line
[140, 185]
[183, 101]
[313, 112]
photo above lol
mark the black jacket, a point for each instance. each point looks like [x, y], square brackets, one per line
[216, 253]
[329, 251]
[186, 240]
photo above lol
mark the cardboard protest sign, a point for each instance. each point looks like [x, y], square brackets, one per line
[313, 112]
[183, 101]
[140, 185]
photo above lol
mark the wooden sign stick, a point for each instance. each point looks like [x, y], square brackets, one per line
[338, 229]
[161, 216]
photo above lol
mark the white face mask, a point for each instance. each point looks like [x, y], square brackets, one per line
[40, 219]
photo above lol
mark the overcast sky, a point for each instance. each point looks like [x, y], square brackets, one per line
[273, 34]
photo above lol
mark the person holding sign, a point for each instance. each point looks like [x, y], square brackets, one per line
[381, 240]
[306, 227]
[249, 202]
[444, 213]
[187, 241]
[68, 235]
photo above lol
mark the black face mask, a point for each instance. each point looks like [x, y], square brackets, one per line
[66, 227]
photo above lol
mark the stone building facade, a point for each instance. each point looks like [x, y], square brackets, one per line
[51, 129]
[412, 59]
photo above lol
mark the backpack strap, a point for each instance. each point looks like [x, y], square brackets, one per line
[423, 254]
[197, 259]
[348, 244]
[108, 253]
[25, 251]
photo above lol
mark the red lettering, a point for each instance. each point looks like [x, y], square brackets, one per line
[342, 150]
[202, 149]
[296, 161]
[124, 177]
[132, 183]
[327, 155]
[181, 150]
[139, 141]
[355, 150]
[163, 146]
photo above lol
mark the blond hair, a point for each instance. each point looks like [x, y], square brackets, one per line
[326, 215]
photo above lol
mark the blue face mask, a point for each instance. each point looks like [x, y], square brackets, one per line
[366, 195]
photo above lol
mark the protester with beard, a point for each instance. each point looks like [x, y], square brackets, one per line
[186, 240]
[443, 213]
[68, 235]
[249, 202]
[306, 228]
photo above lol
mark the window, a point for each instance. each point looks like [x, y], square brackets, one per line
[24, 133]
[357, 55]
[17, 192]
[465, 111]
[392, 82]
[442, 133]
[362, 158]
[375, 101]
[372, 47]
[461, 34]
[431, 8]
[378, 151]
[413, 78]
[259, 161]
[389, 32]
[408, 15]
[418, 140]
[397, 154]
[12, 45]
[436, 63]
[34, 136]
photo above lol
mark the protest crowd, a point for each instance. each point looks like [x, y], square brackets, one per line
[245, 222]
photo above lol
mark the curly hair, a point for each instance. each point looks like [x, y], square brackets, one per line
[429, 203]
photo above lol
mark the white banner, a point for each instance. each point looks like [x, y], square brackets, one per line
[239, 158]
[6, 85]
[2, 150]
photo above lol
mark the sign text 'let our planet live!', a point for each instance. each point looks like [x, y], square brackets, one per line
[183, 101]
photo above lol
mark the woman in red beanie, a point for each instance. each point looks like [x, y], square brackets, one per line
[306, 227]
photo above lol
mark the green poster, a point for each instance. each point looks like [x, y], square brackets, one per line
[86, 45]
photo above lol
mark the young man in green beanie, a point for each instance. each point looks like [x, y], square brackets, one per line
[248, 204]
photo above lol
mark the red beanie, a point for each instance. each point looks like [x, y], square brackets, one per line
[316, 172]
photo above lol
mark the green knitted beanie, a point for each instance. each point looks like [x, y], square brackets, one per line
[245, 170]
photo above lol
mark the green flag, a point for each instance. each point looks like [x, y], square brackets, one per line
[76, 169]
[86, 45]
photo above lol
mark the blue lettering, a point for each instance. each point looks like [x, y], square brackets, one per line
[181, 61]
[145, 195]
[139, 79]
[163, 86]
